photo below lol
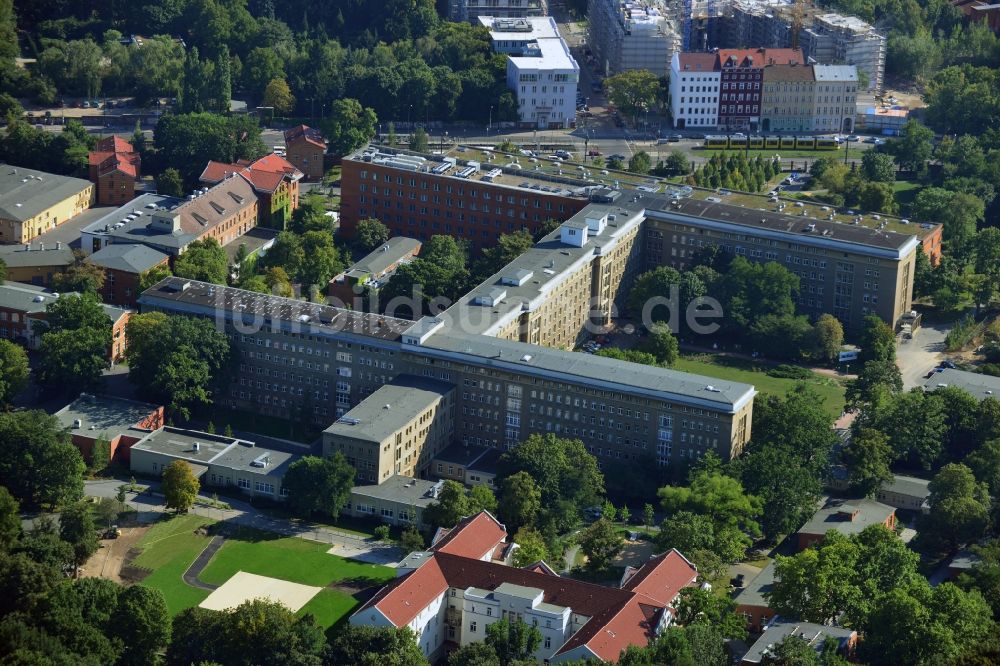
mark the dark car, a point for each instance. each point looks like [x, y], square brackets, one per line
[947, 364]
[620, 158]
[674, 138]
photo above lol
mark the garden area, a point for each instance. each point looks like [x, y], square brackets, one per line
[762, 376]
[170, 547]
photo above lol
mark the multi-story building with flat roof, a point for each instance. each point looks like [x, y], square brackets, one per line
[36, 263]
[421, 196]
[787, 102]
[471, 10]
[632, 35]
[847, 270]
[395, 430]
[694, 89]
[835, 106]
[541, 71]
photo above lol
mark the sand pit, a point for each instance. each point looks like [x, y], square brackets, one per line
[245, 586]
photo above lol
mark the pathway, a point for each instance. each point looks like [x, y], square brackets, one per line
[191, 575]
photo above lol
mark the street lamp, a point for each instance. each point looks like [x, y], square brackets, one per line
[409, 110]
[489, 123]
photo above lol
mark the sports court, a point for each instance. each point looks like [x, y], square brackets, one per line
[243, 586]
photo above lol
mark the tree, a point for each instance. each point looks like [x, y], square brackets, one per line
[418, 140]
[176, 359]
[878, 167]
[563, 469]
[877, 341]
[792, 650]
[73, 361]
[695, 535]
[278, 95]
[647, 514]
[867, 456]
[718, 497]
[877, 197]
[10, 520]
[512, 641]
[959, 508]
[187, 141]
[520, 499]
[640, 163]
[72, 312]
[349, 126]
[319, 485]
[698, 605]
[370, 234]
[180, 486]
[633, 91]
[76, 527]
[451, 506]
[876, 378]
[411, 540]
[662, 344]
[601, 543]
[80, 277]
[508, 248]
[532, 547]
[914, 147]
[474, 654]
[142, 622]
[287, 254]
[321, 260]
[170, 183]
[371, 646]
[828, 337]
[481, 498]
[255, 632]
[898, 629]
[13, 371]
[203, 260]
[985, 465]
[38, 463]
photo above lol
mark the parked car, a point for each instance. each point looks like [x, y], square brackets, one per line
[565, 154]
[854, 137]
[617, 157]
[674, 138]
[947, 364]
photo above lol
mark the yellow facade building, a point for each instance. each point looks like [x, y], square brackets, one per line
[33, 202]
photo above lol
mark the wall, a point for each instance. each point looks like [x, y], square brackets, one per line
[307, 158]
[115, 189]
[12, 231]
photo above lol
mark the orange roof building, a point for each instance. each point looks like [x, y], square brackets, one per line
[305, 148]
[274, 179]
[450, 594]
[114, 168]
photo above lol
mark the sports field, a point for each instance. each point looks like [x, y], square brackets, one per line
[171, 546]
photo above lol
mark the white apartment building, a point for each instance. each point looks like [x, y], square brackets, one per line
[694, 90]
[835, 99]
[632, 35]
[540, 69]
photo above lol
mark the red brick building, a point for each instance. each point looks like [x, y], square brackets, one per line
[274, 179]
[420, 197]
[124, 265]
[741, 83]
[847, 517]
[120, 422]
[114, 168]
[305, 148]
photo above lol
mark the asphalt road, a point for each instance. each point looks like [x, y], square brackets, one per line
[920, 355]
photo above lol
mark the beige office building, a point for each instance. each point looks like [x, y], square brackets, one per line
[396, 430]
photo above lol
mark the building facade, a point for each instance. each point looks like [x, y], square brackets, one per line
[694, 90]
[33, 202]
[36, 263]
[274, 179]
[305, 148]
[424, 195]
[114, 168]
[741, 83]
[849, 271]
[632, 35]
[451, 593]
[119, 422]
[541, 71]
[788, 99]
[125, 265]
[396, 430]
[835, 108]
[471, 10]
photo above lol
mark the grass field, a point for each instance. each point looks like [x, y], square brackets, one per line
[741, 370]
[905, 192]
[169, 548]
[853, 153]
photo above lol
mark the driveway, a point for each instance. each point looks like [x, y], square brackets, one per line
[920, 355]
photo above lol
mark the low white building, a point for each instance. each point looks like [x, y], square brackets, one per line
[541, 72]
[694, 90]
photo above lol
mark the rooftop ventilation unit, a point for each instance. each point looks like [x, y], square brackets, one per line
[263, 460]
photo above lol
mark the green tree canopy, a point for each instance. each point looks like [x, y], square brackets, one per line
[76, 527]
[601, 543]
[370, 234]
[14, 371]
[349, 126]
[38, 463]
[633, 91]
[319, 485]
[180, 486]
[371, 646]
[203, 260]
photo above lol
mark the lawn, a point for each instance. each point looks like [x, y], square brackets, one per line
[168, 549]
[905, 192]
[171, 546]
[288, 558]
[741, 370]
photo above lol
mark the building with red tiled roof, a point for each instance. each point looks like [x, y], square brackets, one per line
[274, 179]
[114, 168]
[449, 599]
[305, 148]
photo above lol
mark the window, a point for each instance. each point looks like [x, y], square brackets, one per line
[243, 483]
[472, 627]
[548, 643]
